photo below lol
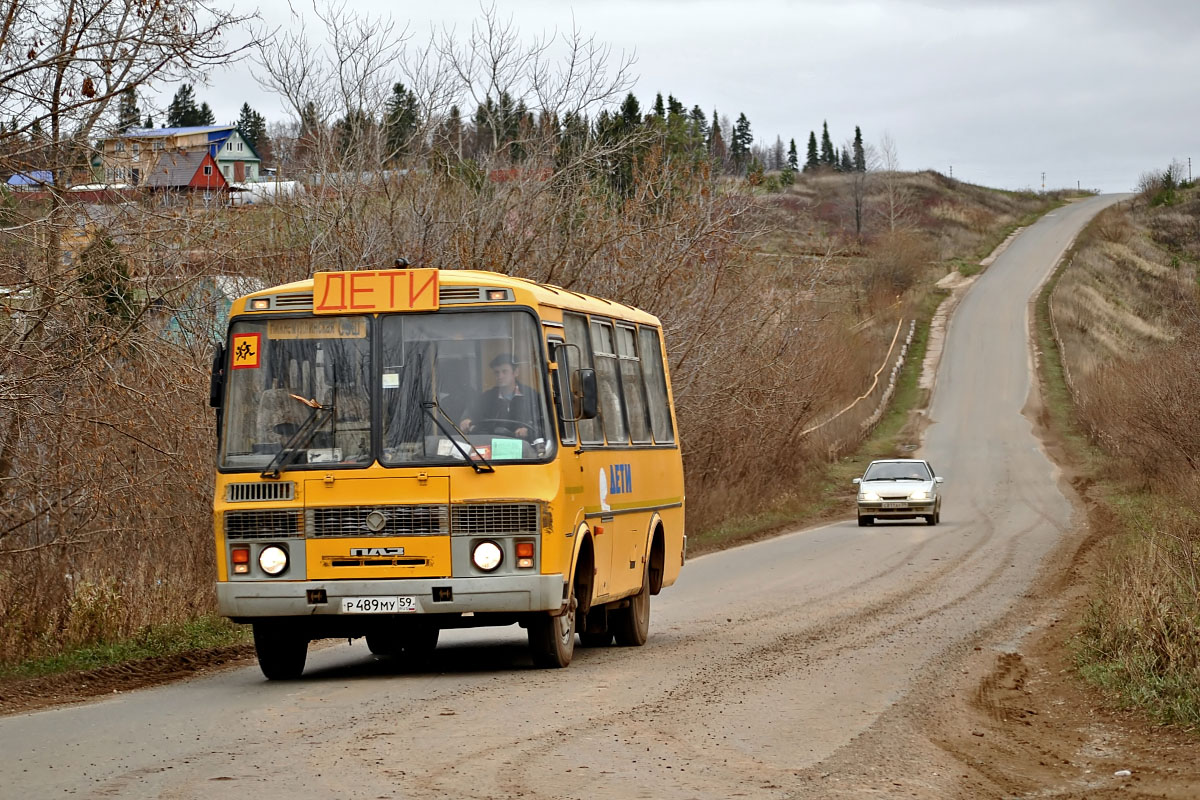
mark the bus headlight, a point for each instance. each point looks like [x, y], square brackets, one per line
[273, 560]
[487, 556]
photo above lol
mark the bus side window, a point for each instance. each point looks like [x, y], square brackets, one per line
[656, 386]
[576, 328]
[609, 383]
[633, 385]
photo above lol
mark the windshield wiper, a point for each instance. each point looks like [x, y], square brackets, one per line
[300, 439]
[428, 405]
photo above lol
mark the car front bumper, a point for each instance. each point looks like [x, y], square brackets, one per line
[908, 510]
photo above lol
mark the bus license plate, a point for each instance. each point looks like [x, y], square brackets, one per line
[379, 605]
[895, 505]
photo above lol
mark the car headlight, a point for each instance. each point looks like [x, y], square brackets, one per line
[870, 497]
[273, 560]
[487, 556]
[919, 494]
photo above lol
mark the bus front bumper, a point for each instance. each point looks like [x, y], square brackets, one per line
[500, 593]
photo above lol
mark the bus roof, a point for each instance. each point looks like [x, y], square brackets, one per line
[525, 292]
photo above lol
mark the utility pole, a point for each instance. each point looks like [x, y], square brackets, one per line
[1043, 182]
[1189, 168]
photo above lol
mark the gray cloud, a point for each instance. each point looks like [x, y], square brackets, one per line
[1094, 91]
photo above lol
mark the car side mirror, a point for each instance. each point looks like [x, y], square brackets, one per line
[938, 479]
[586, 393]
[858, 480]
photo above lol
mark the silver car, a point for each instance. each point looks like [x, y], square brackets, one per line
[899, 488]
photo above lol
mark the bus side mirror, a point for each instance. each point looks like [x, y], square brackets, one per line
[216, 384]
[586, 394]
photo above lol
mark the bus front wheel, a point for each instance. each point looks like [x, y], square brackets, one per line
[281, 651]
[552, 639]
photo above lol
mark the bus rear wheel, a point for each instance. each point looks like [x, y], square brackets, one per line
[631, 624]
[281, 651]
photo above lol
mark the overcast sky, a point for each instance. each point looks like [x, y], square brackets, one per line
[997, 91]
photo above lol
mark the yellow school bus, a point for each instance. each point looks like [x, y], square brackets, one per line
[403, 451]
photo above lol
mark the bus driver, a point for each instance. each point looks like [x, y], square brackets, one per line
[506, 408]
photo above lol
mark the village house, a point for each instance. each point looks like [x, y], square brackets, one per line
[132, 157]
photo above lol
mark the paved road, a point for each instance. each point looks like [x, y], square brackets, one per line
[793, 667]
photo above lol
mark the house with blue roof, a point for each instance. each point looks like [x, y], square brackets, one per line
[134, 156]
[30, 181]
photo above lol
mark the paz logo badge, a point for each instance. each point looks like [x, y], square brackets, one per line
[245, 348]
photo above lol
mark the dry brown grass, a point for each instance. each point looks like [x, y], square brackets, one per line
[1126, 312]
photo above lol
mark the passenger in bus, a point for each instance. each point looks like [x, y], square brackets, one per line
[506, 408]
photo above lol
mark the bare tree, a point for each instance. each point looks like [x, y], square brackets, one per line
[898, 201]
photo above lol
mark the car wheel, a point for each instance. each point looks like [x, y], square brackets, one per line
[865, 521]
[931, 519]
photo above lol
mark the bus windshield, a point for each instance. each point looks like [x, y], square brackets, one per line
[458, 386]
[300, 383]
[453, 388]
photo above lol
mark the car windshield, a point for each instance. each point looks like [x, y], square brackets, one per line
[897, 471]
[302, 384]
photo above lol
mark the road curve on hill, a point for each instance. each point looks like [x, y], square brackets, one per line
[796, 667]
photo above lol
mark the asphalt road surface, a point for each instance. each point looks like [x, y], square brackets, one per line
[800, 666]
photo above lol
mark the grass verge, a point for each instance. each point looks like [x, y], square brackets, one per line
[154, 642]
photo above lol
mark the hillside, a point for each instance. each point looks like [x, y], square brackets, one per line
[1126, 316]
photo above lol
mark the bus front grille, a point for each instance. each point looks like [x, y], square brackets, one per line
[272, 524]
[494, 519]
[425, 520]
[258, 492]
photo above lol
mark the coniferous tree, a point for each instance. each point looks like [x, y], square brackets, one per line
[449, 137]
[400, 119]
[739, 146]
[205, 116]
[860, 153]
[674, 107]
[846, 165]
[149, 123]
[252, 126]
[659, 110]
[699, 124]
[182, 112]
[812, 161]
[793, 158]
[829, 157]
[128, 115]
[309, 136]
[716, 142]
[631, 112]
